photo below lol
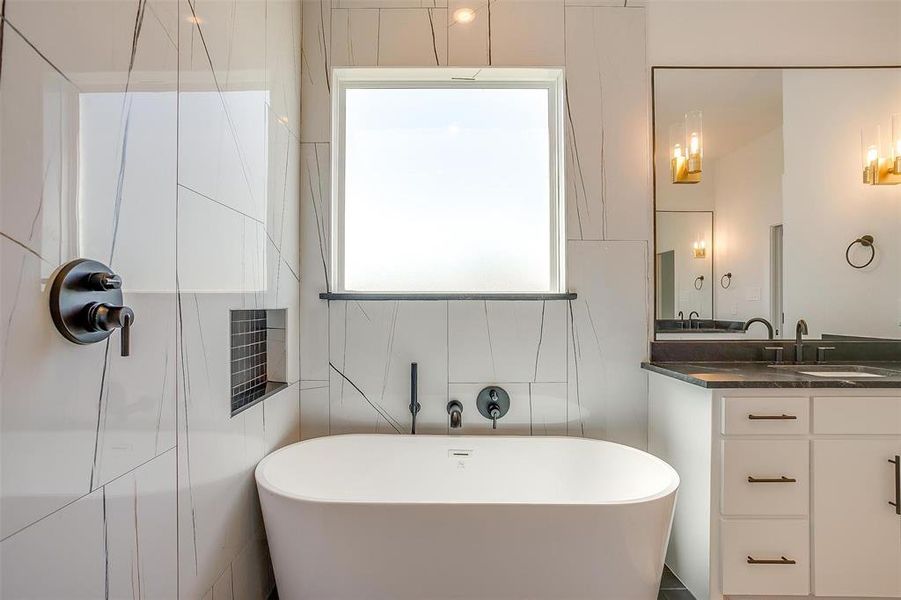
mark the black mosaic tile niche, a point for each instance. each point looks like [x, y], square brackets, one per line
[257, 356]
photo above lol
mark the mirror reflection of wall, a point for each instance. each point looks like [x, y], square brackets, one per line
[782, 175]
[683, 259]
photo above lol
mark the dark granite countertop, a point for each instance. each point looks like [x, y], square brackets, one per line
[765, 375]
[698, 326]
[700, 330]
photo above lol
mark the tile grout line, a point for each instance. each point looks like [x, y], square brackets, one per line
[83, 496]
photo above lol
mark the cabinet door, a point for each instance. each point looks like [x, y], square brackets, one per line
[857, 533]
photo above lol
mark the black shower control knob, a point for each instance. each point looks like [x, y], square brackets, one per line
[107, 317]
[104, 281]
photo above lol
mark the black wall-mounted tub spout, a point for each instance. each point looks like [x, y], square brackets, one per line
[455, 411]
[414, 402]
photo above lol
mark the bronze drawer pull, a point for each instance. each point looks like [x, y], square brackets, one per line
[782, 417]
[897, 503]
[780, 479]
[771, 561]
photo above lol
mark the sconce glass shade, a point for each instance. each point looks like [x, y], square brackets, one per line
[678, 155]
[677, 140]
[896, 143]
[699, 249]
[694, 140]
[880, 168]
[869, 153]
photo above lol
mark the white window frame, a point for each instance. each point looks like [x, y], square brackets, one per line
[496, 78]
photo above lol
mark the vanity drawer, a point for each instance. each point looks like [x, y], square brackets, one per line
[766, 477]
[765, 415]
[765, 557]
[871, 415]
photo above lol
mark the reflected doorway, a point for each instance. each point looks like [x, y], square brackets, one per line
[666, 284]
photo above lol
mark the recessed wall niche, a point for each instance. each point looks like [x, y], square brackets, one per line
[257, 356]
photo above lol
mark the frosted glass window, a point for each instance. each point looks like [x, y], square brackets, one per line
[448, 188]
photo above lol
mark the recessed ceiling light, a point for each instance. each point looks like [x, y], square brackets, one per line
[464, 15]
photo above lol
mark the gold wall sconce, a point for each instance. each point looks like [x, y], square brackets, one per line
[879, 169]
[687, 148]
[699, 249]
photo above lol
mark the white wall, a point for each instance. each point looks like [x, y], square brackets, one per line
[571, 367]
[127, 476]
[748, 190]
[826, 206]
[774, 33]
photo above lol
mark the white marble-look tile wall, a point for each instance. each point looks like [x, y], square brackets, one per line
[238, 247]
[160, 137]
[571, 368]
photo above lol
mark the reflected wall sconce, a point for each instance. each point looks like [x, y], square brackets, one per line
[699, 249]
[464, 15]
[687, 148]
[879, 169]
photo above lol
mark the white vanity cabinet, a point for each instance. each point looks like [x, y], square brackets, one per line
[785, 493]
[856, 534]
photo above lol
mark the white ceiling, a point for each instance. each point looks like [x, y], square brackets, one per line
[738, 105]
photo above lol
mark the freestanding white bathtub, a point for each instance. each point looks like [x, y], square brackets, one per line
[432, 517]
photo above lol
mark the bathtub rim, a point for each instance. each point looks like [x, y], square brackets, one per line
[671, 488]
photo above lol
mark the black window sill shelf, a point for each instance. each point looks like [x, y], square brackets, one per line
[427, 297]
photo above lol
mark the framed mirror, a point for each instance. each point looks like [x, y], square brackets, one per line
[777, 198]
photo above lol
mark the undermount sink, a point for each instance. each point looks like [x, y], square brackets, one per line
[839, 371]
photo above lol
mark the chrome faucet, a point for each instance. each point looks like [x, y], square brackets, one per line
[455, 410]
[800, 329]
[414, 403]
[691, 319]
[769, 326]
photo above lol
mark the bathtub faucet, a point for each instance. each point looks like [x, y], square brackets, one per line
[455, 410]
[493, 403]
[493, 408]
[414, 403]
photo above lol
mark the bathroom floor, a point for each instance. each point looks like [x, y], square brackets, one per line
[671, 588]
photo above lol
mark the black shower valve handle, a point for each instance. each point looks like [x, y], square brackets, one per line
[106, 317]
[125, 335]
